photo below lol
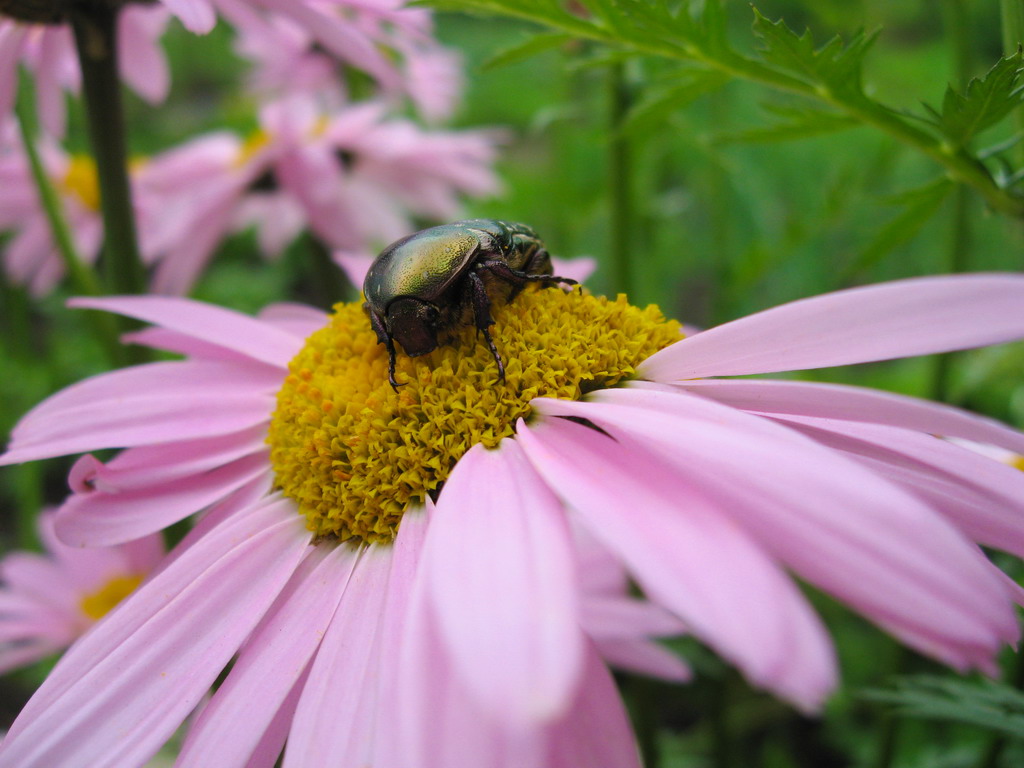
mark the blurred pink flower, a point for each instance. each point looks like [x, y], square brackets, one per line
[707, 491]
[48, 52]
[31, 257]
[354, 177]
[300, 46]
[48, 600]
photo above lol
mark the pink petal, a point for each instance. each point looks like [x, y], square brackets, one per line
[297, 319]
[840, 527]
[596, 733]
[437, 724]
[148, 404]
[621, 617]
[686, 555]
[196, 15]
[579, 269]
[98, 519]
[355, 265]
[182, 344]
[55, 47]
[878, 322]
[25, 653]
[272, 662]
[839, 401]
[644, 657]
[984, 498]
[142, 467]
[206, 322]
[144, 64]
[124, 688]
[334, 721]
[500, 572]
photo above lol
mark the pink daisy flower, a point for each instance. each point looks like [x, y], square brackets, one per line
[398, 573]
[48, 52]
[48, 600]
[355, 177]
[300, 46]
[31, 257]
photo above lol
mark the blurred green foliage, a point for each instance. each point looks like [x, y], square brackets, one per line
[742, 194]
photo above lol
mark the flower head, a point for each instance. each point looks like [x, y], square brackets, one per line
[48, 600]
[31, 257]
[398, 570]
[354, 176]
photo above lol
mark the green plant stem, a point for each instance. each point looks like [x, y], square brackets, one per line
[957, 23]
[619, 181]
[95, 28]
[83, 279]
[956, 162]
[1013, 38]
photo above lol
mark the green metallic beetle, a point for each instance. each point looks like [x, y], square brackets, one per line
[425, 284]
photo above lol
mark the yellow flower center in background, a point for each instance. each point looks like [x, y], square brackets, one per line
[253, 143]
[80, 180]
[98, 604]
[1018, 462]
[355, 455]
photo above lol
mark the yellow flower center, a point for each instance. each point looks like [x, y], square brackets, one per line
[355, 455]
[253, 143]
[1018, 462]
[80, 180]
[98, 604]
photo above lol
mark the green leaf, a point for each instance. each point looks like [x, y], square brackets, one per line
[835, 65]
[798, 123]
[919, 206]
[984, 102]
[524, 50]
[988, 704]
[657, 104]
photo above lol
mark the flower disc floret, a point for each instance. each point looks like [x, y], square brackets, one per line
[355, 455]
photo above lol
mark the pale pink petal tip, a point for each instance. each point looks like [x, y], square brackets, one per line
[878, 322]
[196, 15]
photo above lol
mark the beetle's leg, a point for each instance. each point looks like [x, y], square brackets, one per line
[516, 276]
[383, 337]
[482, 313]
[391, 366]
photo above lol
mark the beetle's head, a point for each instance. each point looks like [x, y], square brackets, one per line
[413, 323]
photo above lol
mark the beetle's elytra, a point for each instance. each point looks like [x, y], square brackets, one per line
[421, 286]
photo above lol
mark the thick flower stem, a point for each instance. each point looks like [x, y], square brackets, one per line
[83, 279]
[619, 172]
[95, 28]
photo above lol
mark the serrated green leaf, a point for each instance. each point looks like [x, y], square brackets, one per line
[835, 65]
[919, 206]
[526, 49]
[799, 123]
[988, 704]
[655, 107]
[984, 102]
